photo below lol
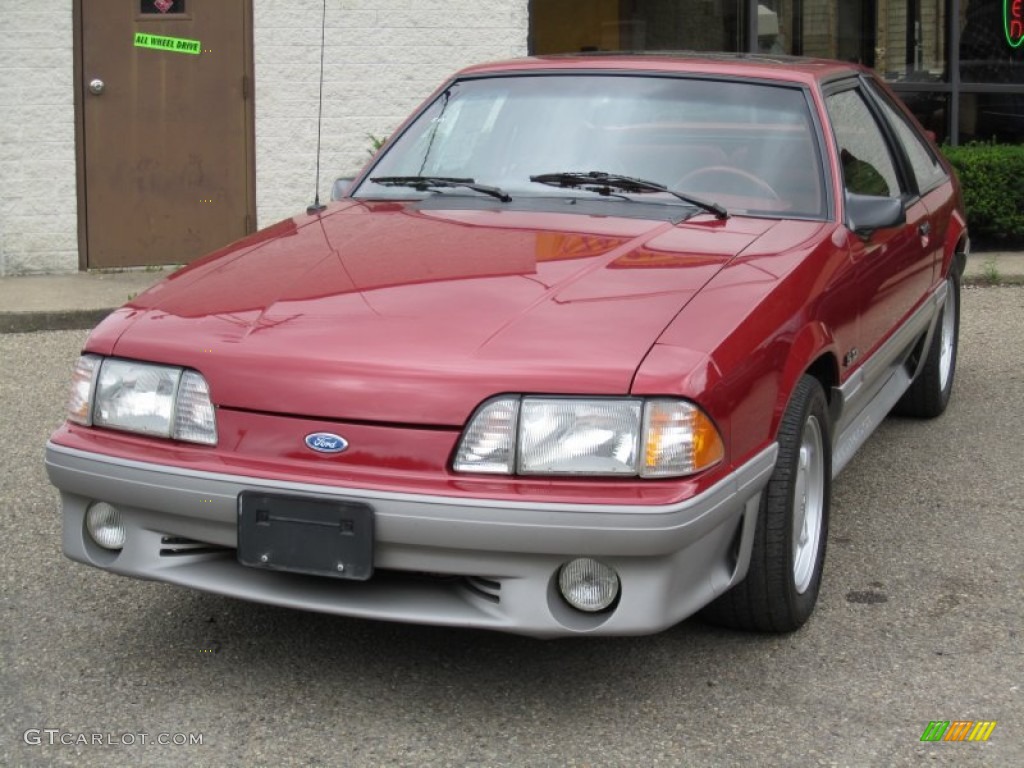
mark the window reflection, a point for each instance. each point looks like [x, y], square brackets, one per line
[903, 40]
[572, 26]
[912, 40]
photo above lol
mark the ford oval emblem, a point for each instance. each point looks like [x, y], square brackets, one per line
[325, 442]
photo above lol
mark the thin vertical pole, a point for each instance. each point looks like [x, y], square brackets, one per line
[751, 25]
[953, 57]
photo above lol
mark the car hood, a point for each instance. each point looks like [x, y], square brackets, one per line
[387, 312]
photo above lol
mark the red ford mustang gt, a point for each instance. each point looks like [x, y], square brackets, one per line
[579, 352]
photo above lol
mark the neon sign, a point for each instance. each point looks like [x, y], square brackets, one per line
[1013, 22]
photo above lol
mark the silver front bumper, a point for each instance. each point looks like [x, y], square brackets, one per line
[438, 560]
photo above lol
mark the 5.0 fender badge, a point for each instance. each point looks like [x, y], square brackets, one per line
[326, 442]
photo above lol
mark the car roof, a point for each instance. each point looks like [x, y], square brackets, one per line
[795, 69]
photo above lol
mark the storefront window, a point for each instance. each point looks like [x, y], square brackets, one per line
[905, 40]
[571, 26]
[911, 40]
[992, 53]
[931, 110]
[992, 41]
[992, 117]
[832, 29]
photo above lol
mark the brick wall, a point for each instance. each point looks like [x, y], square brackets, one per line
[38, 215]
[383, 57]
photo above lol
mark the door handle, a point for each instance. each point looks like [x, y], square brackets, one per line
[96, 86]
[924, 228]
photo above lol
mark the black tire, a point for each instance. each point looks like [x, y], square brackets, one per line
[928, 395]
[776, 595]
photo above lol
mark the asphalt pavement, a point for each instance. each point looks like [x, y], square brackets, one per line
[921, 619]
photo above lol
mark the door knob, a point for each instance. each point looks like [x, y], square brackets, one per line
[96, 86]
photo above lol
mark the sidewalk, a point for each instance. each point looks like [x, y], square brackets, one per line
[81, 300]
[65, 302]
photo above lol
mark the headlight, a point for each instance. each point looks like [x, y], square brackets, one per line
[574, 437]
[594, 436]
[136, 396]
[157, 400]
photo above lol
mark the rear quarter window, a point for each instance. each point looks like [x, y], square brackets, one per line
[927, 168]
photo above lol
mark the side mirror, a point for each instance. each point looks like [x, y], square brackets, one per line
[341, 186]
[866, 213]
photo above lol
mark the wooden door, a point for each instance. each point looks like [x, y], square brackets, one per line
[165, 129]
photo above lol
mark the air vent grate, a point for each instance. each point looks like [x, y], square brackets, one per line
[179, 546]
[486, 588]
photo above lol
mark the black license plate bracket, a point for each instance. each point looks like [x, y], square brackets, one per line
[300, 534]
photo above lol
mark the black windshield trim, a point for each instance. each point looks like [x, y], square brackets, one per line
[434, 183]
[608, 207]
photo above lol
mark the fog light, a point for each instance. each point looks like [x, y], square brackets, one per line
[588, 585]
[104, 525]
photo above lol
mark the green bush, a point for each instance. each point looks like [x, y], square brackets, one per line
[992, 178]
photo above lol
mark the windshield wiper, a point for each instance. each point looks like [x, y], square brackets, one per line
[427, 183]
[602, 183]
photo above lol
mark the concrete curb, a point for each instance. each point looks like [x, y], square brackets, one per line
[56, 320]
[981, 281]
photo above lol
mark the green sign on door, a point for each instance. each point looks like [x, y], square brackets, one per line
[174, 44]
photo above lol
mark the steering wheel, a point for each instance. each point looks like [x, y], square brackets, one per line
[745, 177]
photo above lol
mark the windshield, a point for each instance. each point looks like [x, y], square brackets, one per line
[748, 146]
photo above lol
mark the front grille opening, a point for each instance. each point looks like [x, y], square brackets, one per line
[733, 554]
[179, 546]
[488, 589]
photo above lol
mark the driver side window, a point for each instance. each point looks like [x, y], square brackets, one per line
[868, 167]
